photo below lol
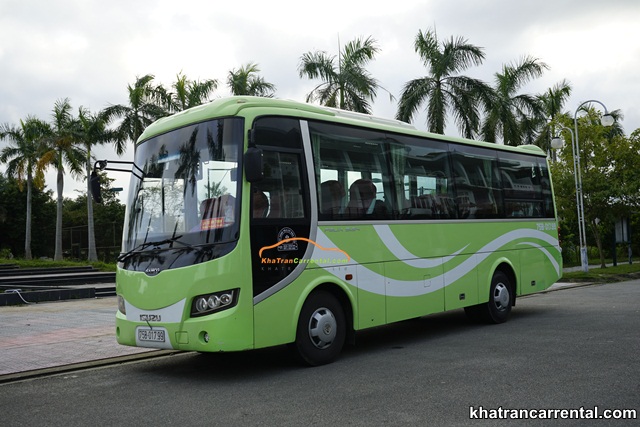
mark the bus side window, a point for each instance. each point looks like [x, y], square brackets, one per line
[282, 185]
[424, 187]
[523, 186]
[348, 157]
[477, 187]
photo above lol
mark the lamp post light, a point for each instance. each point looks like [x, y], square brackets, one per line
[606, 120]
[557, 142]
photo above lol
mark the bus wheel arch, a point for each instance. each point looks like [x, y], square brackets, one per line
[502, 297]
[324, 325]
[508, 270]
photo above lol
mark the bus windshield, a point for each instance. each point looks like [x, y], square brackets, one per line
[189, 192]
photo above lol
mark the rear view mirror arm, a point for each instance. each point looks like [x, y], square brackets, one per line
[101, 165]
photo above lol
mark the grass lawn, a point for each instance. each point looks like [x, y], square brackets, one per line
[39, 263]
[622, 272]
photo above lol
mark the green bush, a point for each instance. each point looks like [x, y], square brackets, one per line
[41, 263]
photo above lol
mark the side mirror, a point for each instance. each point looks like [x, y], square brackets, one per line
[95, 187]
[253, 164]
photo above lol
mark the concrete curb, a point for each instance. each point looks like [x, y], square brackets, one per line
[18, 296]
[55, 370]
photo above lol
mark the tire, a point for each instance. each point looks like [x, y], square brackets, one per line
[498, 308]
[321, 330]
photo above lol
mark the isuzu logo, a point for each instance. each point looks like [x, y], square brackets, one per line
[150, 317]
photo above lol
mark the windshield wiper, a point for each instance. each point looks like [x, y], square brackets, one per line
[139, 249]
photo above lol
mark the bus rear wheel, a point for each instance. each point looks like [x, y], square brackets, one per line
[321, 329]
[498, 308]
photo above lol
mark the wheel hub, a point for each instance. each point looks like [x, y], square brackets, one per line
[501, 296]
[322, 328]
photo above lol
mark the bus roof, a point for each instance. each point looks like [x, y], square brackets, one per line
[233, 106]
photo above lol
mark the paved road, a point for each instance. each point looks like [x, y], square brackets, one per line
[51, 335]
[570, 349]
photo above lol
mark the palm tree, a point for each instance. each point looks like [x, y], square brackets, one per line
[188, 93]
[22, 157]
[552, 102]
[443, 89]
[346, 84]
[246, 81]
[508, 113]
[92, 130]
[61, 150]
[145, 107]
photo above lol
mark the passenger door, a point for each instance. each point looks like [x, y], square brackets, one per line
[279, 206]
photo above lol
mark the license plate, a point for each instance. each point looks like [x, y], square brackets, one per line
[152, 335]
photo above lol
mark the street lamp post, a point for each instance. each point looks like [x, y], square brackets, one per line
[606, 120]
[557, 143]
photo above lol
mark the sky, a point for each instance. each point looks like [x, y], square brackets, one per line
[89, 51]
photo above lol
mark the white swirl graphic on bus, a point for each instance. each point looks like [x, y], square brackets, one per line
[407, 288]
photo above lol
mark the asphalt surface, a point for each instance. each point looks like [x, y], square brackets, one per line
[569, 349]
[42, 338]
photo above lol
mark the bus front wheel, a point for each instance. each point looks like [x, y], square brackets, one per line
[321, 329]
[498, 308]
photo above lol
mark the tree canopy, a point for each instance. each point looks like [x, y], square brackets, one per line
[610, 170]
[500, 112]
[345, 81]
[444, 90]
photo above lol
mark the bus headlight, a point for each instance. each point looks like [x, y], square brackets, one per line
[214, 302]
[121, 307]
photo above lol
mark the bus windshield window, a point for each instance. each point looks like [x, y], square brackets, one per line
[190, 186]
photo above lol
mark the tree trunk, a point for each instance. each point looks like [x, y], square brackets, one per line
[596, 234]
[27, 234]
[92, 255]
[60, 184]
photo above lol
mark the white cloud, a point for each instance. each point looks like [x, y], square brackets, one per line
[90, 51]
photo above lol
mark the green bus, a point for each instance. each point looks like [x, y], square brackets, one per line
[255, 222]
